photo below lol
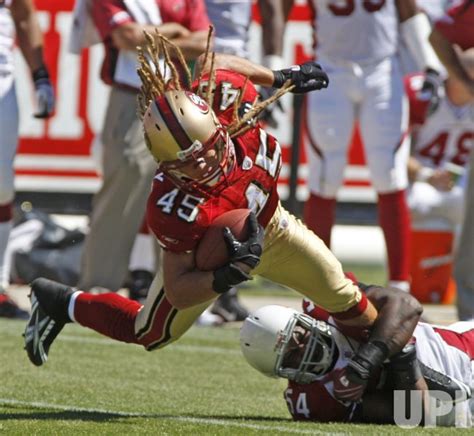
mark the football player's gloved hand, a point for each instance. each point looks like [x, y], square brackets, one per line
[431, 91]
[306, 77]
[247, 252]
[404, 368]
[353, 379]
[267, 115]
[44, 93]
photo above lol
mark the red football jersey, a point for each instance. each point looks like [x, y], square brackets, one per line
[179, 219]
[315, 401]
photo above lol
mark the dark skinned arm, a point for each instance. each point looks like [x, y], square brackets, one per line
[398, 314]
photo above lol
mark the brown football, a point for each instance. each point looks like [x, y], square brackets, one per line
[212, 252]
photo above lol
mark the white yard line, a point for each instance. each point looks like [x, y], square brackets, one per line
[176, 347]
[186, 419]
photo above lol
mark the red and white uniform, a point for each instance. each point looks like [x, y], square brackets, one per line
[445, 136]
[179, 219]
[356, 43]
[449, 350]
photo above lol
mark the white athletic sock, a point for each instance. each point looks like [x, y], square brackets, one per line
[143, 254]
[5, 228]
[72, 302]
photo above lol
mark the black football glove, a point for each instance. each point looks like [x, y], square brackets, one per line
[431, 90]
[351, 383]
[404, 368]
[306, 77]
[247, 252]
[44, 93]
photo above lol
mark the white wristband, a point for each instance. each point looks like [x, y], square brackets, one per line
[416, 31]
[424, 174]
[274, 62]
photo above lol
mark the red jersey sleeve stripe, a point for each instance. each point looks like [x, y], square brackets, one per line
[352, 312]
[173, 124]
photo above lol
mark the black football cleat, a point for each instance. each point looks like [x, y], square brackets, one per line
[140, 284]
[49, 302]
[229, 307]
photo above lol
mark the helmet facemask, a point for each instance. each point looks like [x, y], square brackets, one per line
[216, 167]
[305, 349]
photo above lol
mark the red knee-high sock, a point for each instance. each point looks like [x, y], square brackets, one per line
[109, 314]
[319, 215]
[394, 218]
[6, 212]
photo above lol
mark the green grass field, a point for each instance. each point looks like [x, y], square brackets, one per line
[93, 385]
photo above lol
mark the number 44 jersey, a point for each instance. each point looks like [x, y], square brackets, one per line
[179, 219]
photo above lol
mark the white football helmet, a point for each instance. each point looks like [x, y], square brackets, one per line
[269, 338]
[180, 128]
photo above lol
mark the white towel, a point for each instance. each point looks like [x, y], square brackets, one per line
[144, 12]
[84, 34]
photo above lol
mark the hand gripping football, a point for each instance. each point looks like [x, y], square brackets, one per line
[212, 251]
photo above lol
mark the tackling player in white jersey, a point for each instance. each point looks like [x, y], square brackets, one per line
[313, 352]
[17, 18]
[357, 43]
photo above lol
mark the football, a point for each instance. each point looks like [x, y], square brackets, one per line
[212, 252]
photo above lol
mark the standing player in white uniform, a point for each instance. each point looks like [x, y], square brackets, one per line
[357, 43]
[312, 351]
[17, 18]
[442, 136]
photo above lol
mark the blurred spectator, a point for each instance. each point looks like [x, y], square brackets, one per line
[128, 167]
[456, 28]
[357, 45]
[441, 142]
[17, 18]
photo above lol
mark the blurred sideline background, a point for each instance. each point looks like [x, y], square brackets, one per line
[58, 159]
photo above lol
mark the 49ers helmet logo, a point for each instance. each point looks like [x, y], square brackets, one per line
[198, 101]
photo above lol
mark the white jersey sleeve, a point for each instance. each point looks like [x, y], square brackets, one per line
[450, 351]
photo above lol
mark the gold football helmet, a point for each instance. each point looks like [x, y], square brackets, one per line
[180, 128]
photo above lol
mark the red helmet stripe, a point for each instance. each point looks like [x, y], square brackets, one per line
[180, 135]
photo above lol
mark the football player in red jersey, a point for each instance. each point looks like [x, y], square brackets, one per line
[212, 157]
[313, 352]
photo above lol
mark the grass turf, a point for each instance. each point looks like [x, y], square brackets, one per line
[93, 385]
